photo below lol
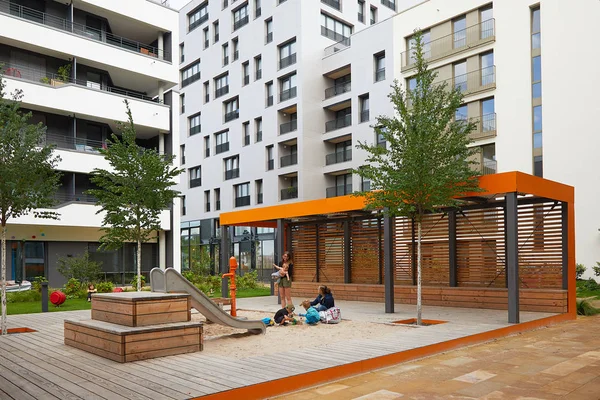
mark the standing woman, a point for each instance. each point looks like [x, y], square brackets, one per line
[285, 284]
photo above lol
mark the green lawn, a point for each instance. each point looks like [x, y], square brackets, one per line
[83, 304]
[583, 292]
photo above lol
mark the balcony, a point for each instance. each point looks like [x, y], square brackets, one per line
[289, 193]
[328, 33]
[288, 127]
[380, 74]
[343, 44]
[336, 191]
[288, 94]
[74, 28]
[195, 182]
[198, 22]
[221, 91]
[290, 159]
[222, 148]
[242, 201]
[338, 123]
[486, 127]
[473, 36]
[287, 61]
[74, 143]
[364, 116]
[232, 174]
[475, 81]
[270, 165]
[488, 167]
[239, 23]
[389, 4]
[332, 3]
[230, 116]
[337, 90]
[338, 157]
[64, 198]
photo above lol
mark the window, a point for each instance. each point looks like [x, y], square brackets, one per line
[242, 194]
[487, 68]
[412, 44]
[206, 92]
[459, 26]
[232, 167]
[257, 9]
[379, 67]
[231, 110]
[536, 73]
[364, 107]
[381, 142]
[240, 17]
[287, 54]
[194, 124]
[334, 29]
[206, 38]
[206, 146]
[343, 186]
[183, 205]
[195, 177]
[182, 154]
[190, 74]
[269, 93]
[181, 53]
[207, 200]
[488, 115]
[288, 87]
[221, 85]
[486, 16]
[412, 84]
[461, 113]
[236, 49]
[246, 133]
[225, 54]
[258, 129]
[488, 153]
[269, 30]
[259, 191]
[215, 31]
[361, 11]
[182, 103]
[290, 188]
[217, 199]
[270, 158]
[389, 4]
[246, 73]
[258, 67]
[198, 17]
[373, 15]
[221, 142]
[537, 121]
[535, 29]
[460, 76]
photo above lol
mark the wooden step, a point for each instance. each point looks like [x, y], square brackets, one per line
[124, 344]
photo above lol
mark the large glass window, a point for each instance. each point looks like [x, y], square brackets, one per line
[460, 76]
[461, 113]
[412, 45]
[190, 74]
[194, 123]
[536, 67]
[197, 17]
[240, 17]
[334, 29]
[486, 16]
[535, 29]
[487, 68]
[460, 32]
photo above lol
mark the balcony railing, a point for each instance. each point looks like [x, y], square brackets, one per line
[288, 94]
[380, 74]
[290, 159]
[338, 123]
[206, 98]
[207, 152]
[246, 79]
[289, 193]
[206, 44]
[455, 42]
[474, 81]
[62, 198]
[216, 39]
[259, 136]
[195, 129]
[195, 182]
[57, 81]
[333, 35]
[222, 148]
[288, 127]
[225, 60]
[207, 207]
[259, 198]
[236, 55]
[242, 201]
[338, 157]
[269, 37]
[488, 167]
[270, 165]
[338, 89]
[338, 190]
[486, 127]
[258, 74]
[364, 116]
[344, 43]
[232, 173]
[223, 90]
[217, 205]
[389, 4]
[269, 101]
[239, 23]
[287, 61]
[29, 14]
[190, 79]
[332, 3]
[258, 12]
[361, 17]
[230, 116]
[75, 143]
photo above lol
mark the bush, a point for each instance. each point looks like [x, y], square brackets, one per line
[36, 285]
[597, 269]
[579, 271]
[105, 287]
[585, 308]
[72, 288]
[590, 285]
[248, 281]
[134, 281]
[24, 297]
[82, 268]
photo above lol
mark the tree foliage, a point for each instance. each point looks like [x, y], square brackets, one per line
[28, 176]
[135, 191]
[82, 268]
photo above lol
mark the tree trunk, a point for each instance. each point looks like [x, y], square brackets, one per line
[3, 277]
[419, 258]
[139, 266]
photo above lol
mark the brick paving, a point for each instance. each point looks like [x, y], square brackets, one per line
[558, 362]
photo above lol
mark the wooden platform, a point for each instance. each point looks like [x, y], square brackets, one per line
[141, 308]
[125, 344]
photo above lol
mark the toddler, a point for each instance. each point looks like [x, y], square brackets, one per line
[280, 273]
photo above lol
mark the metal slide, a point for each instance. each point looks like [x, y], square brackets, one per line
[171, 281]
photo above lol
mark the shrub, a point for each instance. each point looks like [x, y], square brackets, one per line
[248, 281]
[597, 269]
[24, 297]
[134, 281]
[72, 288]
[81, 268]
[579, 270]
[590, 285]
[36, 285]
[585, 308]
[105, 287]
[203, 286]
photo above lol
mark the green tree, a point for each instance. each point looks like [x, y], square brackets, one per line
[28, 179]
[82, 268]
[425, 163]
[134, 192]
[200, 261]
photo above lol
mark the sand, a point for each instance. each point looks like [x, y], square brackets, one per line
[226, 341]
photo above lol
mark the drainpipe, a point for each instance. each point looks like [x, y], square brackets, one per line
[71, 15]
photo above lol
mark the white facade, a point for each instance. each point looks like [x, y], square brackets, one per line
[490, 48]
[76, 64]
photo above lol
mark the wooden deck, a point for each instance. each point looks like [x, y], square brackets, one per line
[39, 366]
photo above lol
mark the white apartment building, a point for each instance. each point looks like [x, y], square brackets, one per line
[275, 95]
[76, 63]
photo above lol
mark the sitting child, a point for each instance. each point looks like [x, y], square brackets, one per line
[285, 315]
[312, 315]
[91, 289]
[280, 273]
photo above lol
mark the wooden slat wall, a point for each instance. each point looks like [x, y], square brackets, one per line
[331, 252]
[402, 251]
[304, 251]
[364, 264]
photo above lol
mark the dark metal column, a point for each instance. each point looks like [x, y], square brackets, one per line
[347, 252]
[512, 260]
[279, 243]
[452, 259]
[380, 256]
[388, 246]
[564, 208]
[225, 254]
[288, 238]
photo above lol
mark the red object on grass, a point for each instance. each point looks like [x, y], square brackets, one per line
[57, 297]
[117, 290]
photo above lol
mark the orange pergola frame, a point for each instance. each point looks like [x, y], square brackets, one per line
[496, 185]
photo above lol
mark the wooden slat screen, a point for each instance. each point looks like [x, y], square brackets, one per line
[331, 252]
[304, 251]
[402, 251]
[364, 239]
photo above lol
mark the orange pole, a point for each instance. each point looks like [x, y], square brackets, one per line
[232, 288]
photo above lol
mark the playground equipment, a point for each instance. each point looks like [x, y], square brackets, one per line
[232, 288]
[57, 298]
